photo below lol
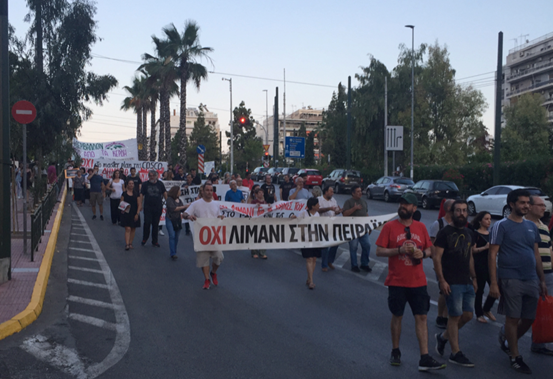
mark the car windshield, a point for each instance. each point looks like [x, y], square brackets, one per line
[445, 186]
[313, 172]
[352, 174]
[293, 170]
[408, 182]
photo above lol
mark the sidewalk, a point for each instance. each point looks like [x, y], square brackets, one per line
[21, 297]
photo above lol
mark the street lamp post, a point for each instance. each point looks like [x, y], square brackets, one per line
[412, 91]
[266, 132]
[231, 128]
[266, 115]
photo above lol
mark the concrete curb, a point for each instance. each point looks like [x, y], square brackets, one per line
[33, 310]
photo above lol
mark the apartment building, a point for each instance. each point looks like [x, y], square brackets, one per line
[311, 117]
[529, 69]
[191, 117]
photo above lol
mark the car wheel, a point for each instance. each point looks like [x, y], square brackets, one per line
[369, 194]
[472, 209]
[425, 203]
[387, 197]
[337, 189]
[506, 211]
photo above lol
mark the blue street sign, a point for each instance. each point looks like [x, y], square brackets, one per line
[294, 147]
[200, 149]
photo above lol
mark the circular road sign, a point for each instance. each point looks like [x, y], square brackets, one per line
[266, 164]
[24, 112]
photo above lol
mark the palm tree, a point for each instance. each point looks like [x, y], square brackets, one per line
[134, 102]
[185, 49]
[163, 76]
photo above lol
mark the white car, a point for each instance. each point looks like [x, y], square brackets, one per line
[494, 200]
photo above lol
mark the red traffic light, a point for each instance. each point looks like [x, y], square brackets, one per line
[243, 120]
[266, 154]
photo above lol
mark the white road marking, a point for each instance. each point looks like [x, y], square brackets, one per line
[96, 303]
[87, 242]
[78, 234]
[86, 269]
[85, 283]
[377, 270]
[59, 356]
[341, 260]
[93, 321]
[83, 258]
[80, 249]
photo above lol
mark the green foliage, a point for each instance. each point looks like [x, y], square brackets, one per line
[202, 134]
[309, 150]
[527, 131]
[333, 128]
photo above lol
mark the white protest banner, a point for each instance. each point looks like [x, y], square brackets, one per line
[208, 166]
[280, 209]
[211, 234]
[107, 167]
[126, 149]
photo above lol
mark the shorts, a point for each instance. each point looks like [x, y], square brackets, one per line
[202, 258]
[519, 299]
[417, 297]
[460, 299]
[96, 197]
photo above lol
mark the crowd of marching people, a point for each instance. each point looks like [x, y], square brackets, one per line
[512, 257]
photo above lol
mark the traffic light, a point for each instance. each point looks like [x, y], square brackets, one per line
[243, 120]
[267, 155]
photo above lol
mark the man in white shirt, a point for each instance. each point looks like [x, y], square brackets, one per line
[206, 207]
[328, 208]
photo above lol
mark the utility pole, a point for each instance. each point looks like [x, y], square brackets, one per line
[412, 93]
[385, 125]
[266, 116]
[231, 123]
[5, 225]
[498, 93]
[275, 128]
[284, 114]
[348, 148]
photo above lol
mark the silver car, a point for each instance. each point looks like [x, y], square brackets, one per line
[389, 187]
[494, 200]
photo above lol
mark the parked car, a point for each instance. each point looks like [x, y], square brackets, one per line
[389, 188]
[431, 192]
[290, 171]
[310, 176]
[494, 200]
[259, 173]
[342, 180]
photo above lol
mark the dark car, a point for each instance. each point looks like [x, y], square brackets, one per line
[290, 171]
[389, 188]
[431, 192]
[342, 179]
[259, 173]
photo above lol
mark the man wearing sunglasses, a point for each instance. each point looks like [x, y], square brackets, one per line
[406, 242]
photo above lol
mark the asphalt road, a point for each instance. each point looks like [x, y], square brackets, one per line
[261, 321]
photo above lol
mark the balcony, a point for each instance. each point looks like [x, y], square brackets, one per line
[533, 70]
[530, 88]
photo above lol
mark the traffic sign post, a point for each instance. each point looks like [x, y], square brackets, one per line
[24, 112]
[294, 147]
[394, 138]
[200, 149]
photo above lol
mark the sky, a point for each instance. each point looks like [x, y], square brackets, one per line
[316, 42]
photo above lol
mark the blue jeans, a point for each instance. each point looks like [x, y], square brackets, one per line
[173, 237]
[460, 299]
[366, 249]
[328, 255]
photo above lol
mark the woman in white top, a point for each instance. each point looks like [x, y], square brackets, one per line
[117, 186]
[310, 254]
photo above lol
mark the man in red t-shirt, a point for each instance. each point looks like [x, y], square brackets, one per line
[406, 242]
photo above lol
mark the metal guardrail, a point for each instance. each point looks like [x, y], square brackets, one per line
[41, 216]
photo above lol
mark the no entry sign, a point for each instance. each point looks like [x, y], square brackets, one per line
[24, 112]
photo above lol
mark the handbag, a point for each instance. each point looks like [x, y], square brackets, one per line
[177, 224]
[542, 328]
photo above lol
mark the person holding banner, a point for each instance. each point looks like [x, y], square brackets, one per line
[310, 254]
[299, 192]
[252, 194]
[406, 242]
[116, 186]
[357, 207]
[174, 219]
[329, 208]
[130, 220]
[259, 199]
[205, 207]
[152, 194]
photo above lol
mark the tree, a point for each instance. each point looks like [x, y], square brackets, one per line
[203, 134]
[310, 149]
[247, 147]
[527, 131]
[134, 102]
[185, 50]
[333, 128]
[52, 72]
